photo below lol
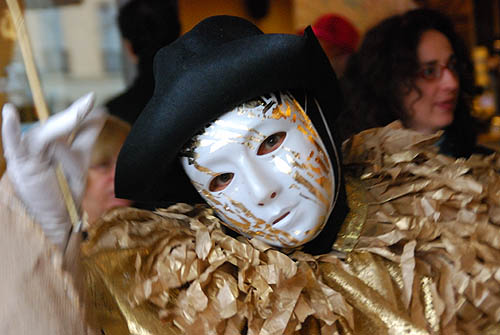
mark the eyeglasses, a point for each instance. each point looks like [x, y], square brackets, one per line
[434, 71]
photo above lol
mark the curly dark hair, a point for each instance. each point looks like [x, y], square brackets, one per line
[386, 66]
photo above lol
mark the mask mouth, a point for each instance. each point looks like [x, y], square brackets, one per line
[280, 218]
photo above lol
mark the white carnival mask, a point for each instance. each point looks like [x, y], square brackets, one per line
[265, 170]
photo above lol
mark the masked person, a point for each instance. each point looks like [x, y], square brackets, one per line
[246, 118]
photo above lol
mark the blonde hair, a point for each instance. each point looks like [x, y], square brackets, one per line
[110, 140]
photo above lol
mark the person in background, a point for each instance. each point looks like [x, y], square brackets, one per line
[99, 193]
[145, 26]
[338, 38]
[414, 68]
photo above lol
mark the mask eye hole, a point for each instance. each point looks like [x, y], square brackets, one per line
[271, 143]
[220, 182]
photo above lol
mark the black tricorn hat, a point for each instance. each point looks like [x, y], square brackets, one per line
[221, 63]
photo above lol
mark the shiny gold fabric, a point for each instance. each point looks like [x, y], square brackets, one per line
[175, 271]
[436, 220]
[418, 254]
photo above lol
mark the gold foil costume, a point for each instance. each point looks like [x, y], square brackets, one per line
[418, 254]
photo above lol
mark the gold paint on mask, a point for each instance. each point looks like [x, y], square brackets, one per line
[256, 139]
[245, 111]
[303, 131]
[314, 169]
[252, 141]
[321, 163]
[242, 226]
[324, 157]
[254, 103]
[317, 227]
[209, 195]
[257, 133]
[270, 236]
[282, 235]
[252, 115]
[294, 153]
[302, 195]
[246, 212]
[301, 180]
[310, 175]
[249, 145]
[307, 121]
[204, 169]
[326, 184]
[189, 150]
[286, 239]
[278, 113]
[297, 165]
[288, 110]
[197, 186]
[268, 231]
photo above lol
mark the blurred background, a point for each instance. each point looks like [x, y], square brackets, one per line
[77, 45]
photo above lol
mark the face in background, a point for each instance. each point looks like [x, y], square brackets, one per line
[100, 191]
[433, 107]
[264, 169]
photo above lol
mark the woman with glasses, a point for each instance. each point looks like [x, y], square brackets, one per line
[414, 68]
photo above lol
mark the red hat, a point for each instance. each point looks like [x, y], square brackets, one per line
[336, 30]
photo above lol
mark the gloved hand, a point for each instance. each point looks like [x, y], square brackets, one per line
[32, 159]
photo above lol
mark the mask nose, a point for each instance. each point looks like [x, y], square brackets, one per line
[262, 186]
[272, 196]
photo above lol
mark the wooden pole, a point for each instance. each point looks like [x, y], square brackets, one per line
[38, 97]
[31, 72]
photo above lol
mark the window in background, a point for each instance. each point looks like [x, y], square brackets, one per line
[77, 49]
[110, 38]
[54, 55]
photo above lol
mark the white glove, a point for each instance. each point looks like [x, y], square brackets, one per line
[32, 159]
